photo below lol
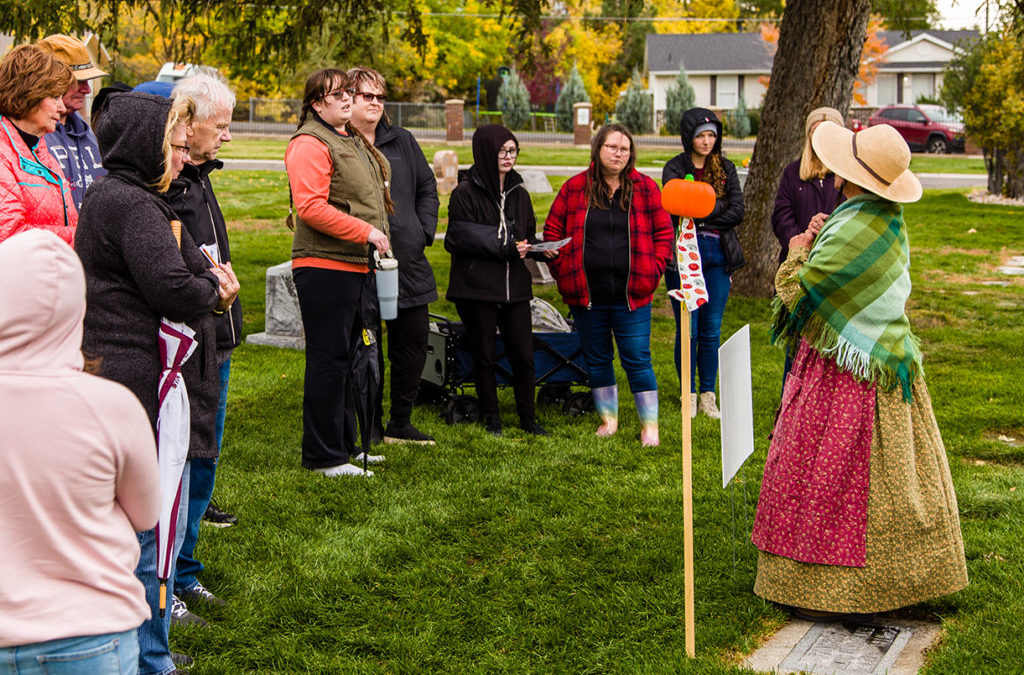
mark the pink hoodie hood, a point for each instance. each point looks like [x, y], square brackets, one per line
[42, 304]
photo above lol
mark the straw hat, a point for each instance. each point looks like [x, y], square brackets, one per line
[75, 54]
[876, 159]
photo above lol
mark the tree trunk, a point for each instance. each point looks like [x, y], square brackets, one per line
[820, 45]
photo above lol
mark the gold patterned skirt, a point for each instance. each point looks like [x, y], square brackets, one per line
[915, 551]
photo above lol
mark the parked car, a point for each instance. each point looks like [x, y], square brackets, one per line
[172, 72]
[924, 127]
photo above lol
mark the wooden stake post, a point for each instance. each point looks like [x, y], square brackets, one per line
[684, 410]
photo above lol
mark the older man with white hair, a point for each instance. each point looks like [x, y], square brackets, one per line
[192, 198]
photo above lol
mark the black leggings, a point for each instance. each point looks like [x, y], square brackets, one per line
[329, 301]
[407, 352]
[513, 319]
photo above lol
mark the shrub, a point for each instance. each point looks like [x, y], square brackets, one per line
[514, 101]
[678, 99]
[635, 108]
[573, 91]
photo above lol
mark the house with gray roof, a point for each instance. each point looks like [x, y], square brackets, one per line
[720, 66]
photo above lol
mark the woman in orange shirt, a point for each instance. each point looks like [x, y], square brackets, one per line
[339, 184]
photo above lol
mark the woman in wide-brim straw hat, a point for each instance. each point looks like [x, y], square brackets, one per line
[857, 512]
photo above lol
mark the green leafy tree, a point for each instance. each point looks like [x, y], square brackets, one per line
[574, 91]
[985, 83]
[635, 108]
[514, 101]
[679, 98]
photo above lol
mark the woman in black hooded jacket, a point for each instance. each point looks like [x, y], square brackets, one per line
[720, 251]
[491, 227]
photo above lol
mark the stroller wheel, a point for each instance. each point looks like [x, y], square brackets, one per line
[552, 394]
[578, 403]
[462, 409]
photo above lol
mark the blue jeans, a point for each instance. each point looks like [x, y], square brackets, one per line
[154, 650]
[706, 322]
[106, 654]
[202, 476]
[632, 332]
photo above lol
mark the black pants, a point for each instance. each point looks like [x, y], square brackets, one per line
[513, 319]
[407, 352]
[329, 301]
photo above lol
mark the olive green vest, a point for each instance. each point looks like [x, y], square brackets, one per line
[357, 188]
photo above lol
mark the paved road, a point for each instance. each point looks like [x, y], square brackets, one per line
[928, 180]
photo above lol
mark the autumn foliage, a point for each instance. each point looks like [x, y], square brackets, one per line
[872, 56]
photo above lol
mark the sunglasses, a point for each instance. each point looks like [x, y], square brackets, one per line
[370, 98]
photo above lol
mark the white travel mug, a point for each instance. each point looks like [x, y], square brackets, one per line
[387, 288]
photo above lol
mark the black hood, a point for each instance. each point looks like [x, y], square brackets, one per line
[130, 134]
[487, 140]
[693, 118]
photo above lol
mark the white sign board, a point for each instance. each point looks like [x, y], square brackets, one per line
[736, 403]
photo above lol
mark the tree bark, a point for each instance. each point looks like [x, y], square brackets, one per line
[820, 45]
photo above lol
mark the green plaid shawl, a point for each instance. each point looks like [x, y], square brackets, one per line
[855, 287]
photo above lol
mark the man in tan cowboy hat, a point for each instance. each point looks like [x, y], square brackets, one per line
[73, 143]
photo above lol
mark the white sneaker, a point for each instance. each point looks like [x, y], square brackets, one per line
[707, 405]
[370, 459]
[693, 405]
[343, 470]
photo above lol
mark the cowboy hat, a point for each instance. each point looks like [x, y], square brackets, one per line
[876, 159]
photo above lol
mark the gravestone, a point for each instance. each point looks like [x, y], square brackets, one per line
[535, 181]
[283, 318]
[446, 171]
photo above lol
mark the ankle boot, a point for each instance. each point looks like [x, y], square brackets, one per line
[647, 409]
[707, 405]
[693, 404]
[606, 402]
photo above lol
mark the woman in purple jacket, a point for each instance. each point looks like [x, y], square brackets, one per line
[807, 195]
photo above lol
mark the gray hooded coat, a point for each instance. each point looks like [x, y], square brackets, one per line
[135, 273]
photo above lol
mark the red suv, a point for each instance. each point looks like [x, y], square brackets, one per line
[923, 127]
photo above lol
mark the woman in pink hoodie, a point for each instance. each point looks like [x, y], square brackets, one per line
[78, 477]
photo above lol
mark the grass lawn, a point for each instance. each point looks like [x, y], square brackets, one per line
[564, 554]
[262, 147]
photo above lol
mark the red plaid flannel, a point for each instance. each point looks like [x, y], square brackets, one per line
[650, 236]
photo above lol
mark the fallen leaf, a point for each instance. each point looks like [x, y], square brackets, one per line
[972, 231]
[1006, 439]
[1013, 489]
[977, 462]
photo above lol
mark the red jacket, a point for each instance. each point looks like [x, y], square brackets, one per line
[33, 190]
[650, 240]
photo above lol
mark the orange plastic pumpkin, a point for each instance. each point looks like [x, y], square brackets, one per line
[688, 198]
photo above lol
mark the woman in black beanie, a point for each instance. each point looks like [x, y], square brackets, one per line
[491, 228]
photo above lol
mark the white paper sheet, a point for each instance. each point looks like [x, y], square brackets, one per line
[736, 403]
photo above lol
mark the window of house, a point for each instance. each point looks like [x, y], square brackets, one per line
[713, 99]
[922, 84]
[728, 91]
[886, 87]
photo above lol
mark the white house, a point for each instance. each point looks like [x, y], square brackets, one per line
[721, 65]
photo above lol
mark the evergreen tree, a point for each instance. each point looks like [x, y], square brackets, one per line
[635, 108]
[514, 101]
[574, 91]
[678, 99]
[740, 119]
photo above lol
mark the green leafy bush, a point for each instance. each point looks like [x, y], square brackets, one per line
[635, 108]
[574, 91]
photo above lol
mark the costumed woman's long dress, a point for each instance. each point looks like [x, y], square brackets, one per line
[857, 511]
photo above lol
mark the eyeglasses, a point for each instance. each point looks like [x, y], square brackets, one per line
[503, 152]
[183, 149]
[338, 93]
[370, 98]
[616, 149]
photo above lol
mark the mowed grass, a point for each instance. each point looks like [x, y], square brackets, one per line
[564, 554]
[264, 147]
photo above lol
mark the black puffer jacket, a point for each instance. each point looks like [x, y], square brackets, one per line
[728, 211]
[485, 263]
[192, 198]
[414, 222]
[136, 273]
